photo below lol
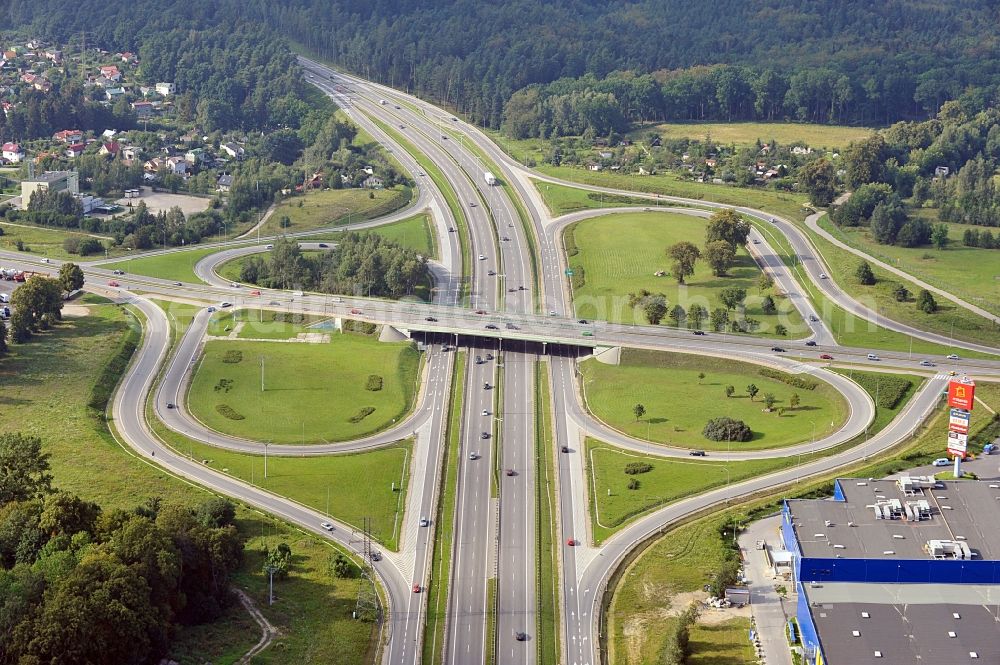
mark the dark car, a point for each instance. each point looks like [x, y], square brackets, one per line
[699, 332]
[565, 449]
[510, 472]
[777, 349]
[170, 405]
[511, 326]
[323, 245]
[697, 453]
[520, 636]
[484, 435]
[486, 386]
[583, 321]
[490, 326]
[431, 319]
[811, 343]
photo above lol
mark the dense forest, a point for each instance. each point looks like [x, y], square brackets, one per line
[845, 61]
[359, 264]
[79, 584]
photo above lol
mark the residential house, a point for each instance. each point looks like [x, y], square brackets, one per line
[801, 150]
[605, 154]
[710, 163]
[111, 73]
[152, 165]
[941, 171]
[164, 89]
[594, 167]
[9, 55]
[143, 109]
[29, 78]
[110, 148]
[7, 107]
[131, 152]
[42, 84]
[109, 133]
[195, 156]
[54, 55]
[233, 150]
[316, 181]
[68, 136]
[75, 150]
[114, 94]
[13, 152]
[176, 165]
[225, 182]
[128, 57]
[373, 182]
[146, 90]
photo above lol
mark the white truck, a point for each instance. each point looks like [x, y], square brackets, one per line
[489, 178]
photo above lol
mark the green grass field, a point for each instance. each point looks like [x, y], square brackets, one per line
[678, 403]
[668, 184]
[560, 199]
[175, 266]
[311, 390]
[334, 207]
[743, 133]
[669, 480]
[950, 319]
[970, 273]
[44, 389]
[45, 242]
[618, 254]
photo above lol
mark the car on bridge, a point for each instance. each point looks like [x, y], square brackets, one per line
[491, 326]
[430, 319]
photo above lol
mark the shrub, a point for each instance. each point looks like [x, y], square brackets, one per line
[223, 385]
[360, 327]
[889, 388]
[361, 414]
[727, 429]
[796, 381]
[374, 383]
[633, 484]
[228, 412]
[633, 468]
[233, 356]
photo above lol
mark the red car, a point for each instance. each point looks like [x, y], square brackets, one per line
[510, 472]
[570, 542]
[355, 311]
[825, 356]
[416, 588]
[255, 293]
[113, 283]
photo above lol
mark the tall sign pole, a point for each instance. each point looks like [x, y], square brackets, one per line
[961, 397]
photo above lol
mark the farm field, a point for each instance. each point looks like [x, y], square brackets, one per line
[743, 133]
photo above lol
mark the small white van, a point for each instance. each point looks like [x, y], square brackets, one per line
[872, 356]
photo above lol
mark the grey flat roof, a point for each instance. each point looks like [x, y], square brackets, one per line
[49, 176]
[964, 509]
[907, 623]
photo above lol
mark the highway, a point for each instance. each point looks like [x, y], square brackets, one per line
[495, 514]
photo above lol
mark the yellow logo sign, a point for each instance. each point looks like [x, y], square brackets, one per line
[960, 392]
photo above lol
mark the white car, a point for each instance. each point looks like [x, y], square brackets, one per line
[941, 461]
[952, 356]
[225, 304]
[822, 275]
[268, 246]
[485, 412]
[424, 521]
[326, 526]
[482, 257]
[473, 456]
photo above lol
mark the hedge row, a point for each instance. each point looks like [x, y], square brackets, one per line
[890, 389]
[796, 381]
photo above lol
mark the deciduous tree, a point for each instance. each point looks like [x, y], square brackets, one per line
[684, 255]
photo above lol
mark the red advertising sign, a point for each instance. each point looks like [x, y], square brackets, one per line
[961, 394]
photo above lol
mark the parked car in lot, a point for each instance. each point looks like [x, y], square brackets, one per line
[941, 461]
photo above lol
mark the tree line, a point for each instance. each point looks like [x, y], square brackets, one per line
[80, 584]
[359, 263]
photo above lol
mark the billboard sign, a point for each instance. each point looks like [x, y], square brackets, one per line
[961, 394]
[958, 421]
[957, 443]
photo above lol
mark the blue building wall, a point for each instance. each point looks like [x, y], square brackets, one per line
[807, 629]
[901, 571]
[789, 540]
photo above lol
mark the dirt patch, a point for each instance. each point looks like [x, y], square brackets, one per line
[75, 311]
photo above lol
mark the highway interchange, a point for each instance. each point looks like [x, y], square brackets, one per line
[495, 529]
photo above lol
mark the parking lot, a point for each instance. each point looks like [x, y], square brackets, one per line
[157, 201]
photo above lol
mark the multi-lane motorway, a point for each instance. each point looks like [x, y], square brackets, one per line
[493, 551]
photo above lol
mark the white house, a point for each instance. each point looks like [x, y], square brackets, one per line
[13, 152]
[233, 150]
[176, 165]
[164, 89]
[373, 182]
[114, 93]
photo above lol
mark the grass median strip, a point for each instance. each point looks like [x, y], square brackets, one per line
[546, 537]
[444, 530]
